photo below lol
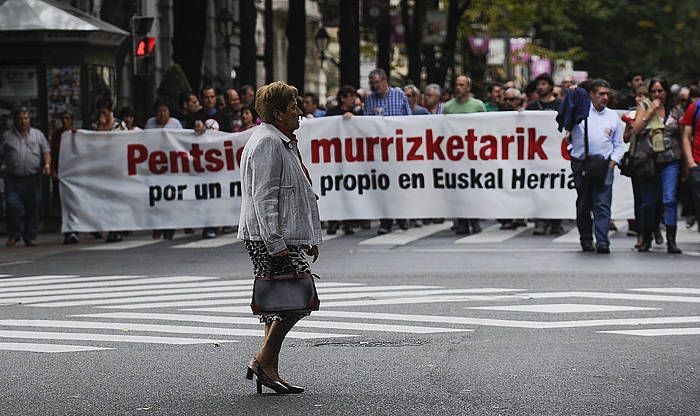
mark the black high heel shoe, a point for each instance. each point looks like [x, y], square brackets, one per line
[292, 389]
[263, 379]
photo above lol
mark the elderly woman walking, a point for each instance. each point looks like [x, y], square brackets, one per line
[279, 220]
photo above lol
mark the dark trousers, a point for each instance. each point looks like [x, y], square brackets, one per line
[694, 182]
[23, 195]
[593, 207]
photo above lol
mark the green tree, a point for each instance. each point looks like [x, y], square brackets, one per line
[173, 84]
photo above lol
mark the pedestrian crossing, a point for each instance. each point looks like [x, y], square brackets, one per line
[492, 235]
[103, 313]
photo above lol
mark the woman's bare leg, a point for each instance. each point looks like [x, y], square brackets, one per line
[268, 356]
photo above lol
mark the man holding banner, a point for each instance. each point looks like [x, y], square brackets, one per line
[386, 101]
[464, 103]
[598, 136]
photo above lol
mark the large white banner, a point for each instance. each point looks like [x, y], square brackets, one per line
[486, 165]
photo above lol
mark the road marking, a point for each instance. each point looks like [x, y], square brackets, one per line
[219, 241]
[327, 237]
[158, 295]
[122, 245]
[571, 236]
[40, 277]
[456, 320]
[15, 282]
[347, 294]
[119, 285]
[400, 237]
[687, 236]
[562, 308]
[679, 290]
[32, 347]
[492, 234]
[118, 294]
[574, 237]
[80, 336]
[495, 250]
[519, 297]
[305, 323]
[176, 329]
[656, 332]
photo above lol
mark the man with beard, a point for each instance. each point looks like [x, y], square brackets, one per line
[465, 103]
[546, 102]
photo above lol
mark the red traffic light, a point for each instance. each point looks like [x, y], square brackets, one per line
[145, 46]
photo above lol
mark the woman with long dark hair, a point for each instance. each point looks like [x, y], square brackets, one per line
[657, 127]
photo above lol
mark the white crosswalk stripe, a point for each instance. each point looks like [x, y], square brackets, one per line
[35, 347]
[122, 245]
[400, 237]
[157, 295]
[492, 234]
[214, 310]
[220, 241]
[306, 323]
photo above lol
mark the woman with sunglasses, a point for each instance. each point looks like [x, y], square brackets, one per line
[657, 128]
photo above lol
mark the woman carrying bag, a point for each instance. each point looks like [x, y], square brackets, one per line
[280, 226]
[656, 125]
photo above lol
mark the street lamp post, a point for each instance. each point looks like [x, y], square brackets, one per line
[321, 39]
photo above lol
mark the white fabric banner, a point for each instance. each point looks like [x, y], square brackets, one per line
[486, 165]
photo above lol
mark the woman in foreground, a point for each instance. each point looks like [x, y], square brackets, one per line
[279, 220]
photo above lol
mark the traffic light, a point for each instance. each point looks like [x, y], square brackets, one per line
[143, 46]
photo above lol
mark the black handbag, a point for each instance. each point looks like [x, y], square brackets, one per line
[595, 167]
[285, 293]
[633, 165]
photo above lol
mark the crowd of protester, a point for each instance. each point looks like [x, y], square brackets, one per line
[659, 125]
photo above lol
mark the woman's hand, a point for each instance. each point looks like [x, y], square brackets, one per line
[282, 253]
[199, 127]
[313, 251]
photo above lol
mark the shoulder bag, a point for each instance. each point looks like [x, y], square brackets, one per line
[595, 167]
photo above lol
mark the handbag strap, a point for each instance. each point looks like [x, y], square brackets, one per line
[585, 137]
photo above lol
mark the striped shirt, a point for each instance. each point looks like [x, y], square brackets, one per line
[394, 103]
[22, 154]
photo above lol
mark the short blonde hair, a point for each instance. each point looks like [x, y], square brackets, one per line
[271, 97]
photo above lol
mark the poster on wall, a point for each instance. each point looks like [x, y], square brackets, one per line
[19, 87]
[63, 94]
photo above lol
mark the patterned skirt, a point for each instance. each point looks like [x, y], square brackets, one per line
[263, 266]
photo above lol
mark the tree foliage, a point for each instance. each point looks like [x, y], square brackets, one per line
[607, 38]
[173, 84]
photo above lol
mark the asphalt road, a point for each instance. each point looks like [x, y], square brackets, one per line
[411, 323]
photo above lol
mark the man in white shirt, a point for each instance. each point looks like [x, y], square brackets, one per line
[593, 204]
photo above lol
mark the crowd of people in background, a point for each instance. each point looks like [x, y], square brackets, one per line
[660, 125]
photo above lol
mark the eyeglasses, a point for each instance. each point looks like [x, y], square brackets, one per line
[656, 91]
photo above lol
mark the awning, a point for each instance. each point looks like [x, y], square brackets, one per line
[47, 21]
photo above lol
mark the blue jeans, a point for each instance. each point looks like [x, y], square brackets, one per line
[593, 206]
[23, 195]
[660, 188]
